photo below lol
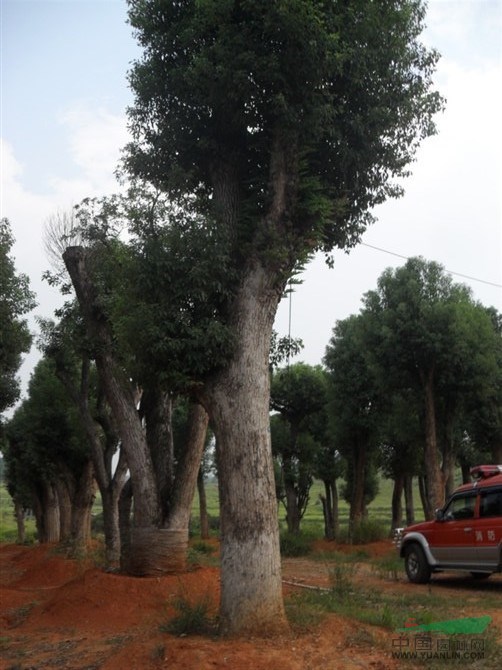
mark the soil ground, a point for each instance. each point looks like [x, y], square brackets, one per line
[57, 613]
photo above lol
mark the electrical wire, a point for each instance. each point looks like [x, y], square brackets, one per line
[407, 258]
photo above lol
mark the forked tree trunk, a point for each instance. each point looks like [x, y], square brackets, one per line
[103, 444]
[121, 398]
[175, 528]
[238, 401]
[329, 503]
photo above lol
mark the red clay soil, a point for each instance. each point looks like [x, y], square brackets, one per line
[62, 613]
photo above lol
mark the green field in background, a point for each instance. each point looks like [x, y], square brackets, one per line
[378, 510]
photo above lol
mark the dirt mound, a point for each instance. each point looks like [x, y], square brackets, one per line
[61, 613]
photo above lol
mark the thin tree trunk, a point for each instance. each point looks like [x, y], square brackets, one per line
[19, 513]
[497, 452]
[336, 505]
[408, 500]
[238, 402]
[449, 456]
[466, 473]
[357, 498]
[425, 498]
[203, 516]
[397, 505]
[124, 510]
[292, 510]
[433, 475]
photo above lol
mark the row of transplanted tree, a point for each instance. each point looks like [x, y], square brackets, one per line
[412, 385]
[263, 131]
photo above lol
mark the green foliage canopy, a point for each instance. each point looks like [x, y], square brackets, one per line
[16, 299]
[335, 96]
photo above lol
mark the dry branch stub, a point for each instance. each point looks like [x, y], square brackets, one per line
[157, 551]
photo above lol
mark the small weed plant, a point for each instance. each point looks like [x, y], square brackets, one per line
[192, 617]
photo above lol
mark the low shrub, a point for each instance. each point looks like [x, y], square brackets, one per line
[295, 544]
[367, 530]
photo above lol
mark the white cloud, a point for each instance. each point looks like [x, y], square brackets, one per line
[95, 138]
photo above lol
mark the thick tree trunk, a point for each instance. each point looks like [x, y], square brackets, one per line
[50, 512]
[433, 475]
[203, 516]
[238, 402]
[157, 408]
[64, 488]
[408, 500]
[397, 506]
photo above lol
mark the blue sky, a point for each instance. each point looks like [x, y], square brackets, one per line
[63, 99]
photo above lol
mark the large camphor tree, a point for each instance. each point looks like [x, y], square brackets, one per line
[285, 122]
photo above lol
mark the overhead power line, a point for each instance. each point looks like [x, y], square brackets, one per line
[407, 258]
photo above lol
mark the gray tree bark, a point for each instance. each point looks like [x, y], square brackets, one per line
[238, 402]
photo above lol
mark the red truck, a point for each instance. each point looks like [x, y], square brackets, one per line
[465, 535]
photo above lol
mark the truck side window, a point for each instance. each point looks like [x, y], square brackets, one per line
[491, 504]
[461, 507]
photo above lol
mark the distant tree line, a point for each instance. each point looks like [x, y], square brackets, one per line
[411, 386]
